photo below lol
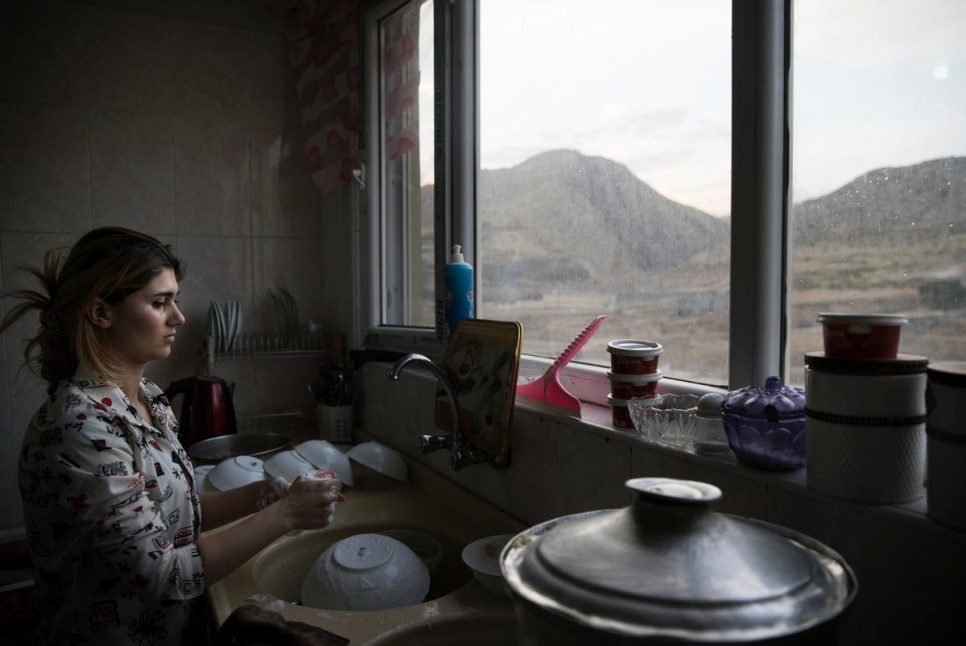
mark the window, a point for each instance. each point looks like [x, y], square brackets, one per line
[605, 153]
[878, 144]
[402, 90]
[633, 158]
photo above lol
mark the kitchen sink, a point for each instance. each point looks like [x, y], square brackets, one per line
[457, 609]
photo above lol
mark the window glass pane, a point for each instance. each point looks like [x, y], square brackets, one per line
[605, 135]
[406, 104]
[879, 215]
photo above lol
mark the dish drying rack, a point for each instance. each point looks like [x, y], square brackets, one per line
[326, 346]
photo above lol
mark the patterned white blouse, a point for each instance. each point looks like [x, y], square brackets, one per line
[112, 514]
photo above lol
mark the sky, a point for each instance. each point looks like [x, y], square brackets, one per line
[647, 83]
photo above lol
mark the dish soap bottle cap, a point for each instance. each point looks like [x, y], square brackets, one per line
[457, 254]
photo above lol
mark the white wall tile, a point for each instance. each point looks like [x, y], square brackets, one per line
[132, 171]
[209, 78]
[284, 203]
[581, 471]
[44, 168]
[42, 52]
[295, 264]
[129, 61]
[211, 177]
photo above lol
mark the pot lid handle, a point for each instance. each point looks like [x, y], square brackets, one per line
[685, 492]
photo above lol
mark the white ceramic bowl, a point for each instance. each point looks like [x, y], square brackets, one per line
[201, 477]
[289, 465]
[236, 472]
[366, 572]
[325, 455]
[381, 458]
[483, 557]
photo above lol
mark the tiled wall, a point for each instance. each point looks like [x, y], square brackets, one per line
[186, 130]
[909, 568]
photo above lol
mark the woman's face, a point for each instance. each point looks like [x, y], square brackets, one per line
[144, 324]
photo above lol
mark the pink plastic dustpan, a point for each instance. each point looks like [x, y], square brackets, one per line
[548, 388]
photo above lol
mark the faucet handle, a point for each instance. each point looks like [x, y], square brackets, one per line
[430, 443]
[464, 456]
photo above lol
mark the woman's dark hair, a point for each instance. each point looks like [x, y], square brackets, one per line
[109, 263]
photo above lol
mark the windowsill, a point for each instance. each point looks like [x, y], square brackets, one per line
[597, 419]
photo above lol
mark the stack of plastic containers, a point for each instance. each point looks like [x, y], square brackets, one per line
[633, 374]
[866, 411]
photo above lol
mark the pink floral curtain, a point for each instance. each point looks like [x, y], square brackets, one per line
[325, 55]
[324, 52]
[401, 70]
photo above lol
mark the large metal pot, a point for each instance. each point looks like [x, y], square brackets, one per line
[669, 569]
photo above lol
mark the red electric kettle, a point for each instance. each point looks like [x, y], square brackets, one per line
[207, 409]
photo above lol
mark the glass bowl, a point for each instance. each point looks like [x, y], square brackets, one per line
[669, 421]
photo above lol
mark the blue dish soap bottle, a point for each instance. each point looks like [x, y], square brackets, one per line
[458, 288]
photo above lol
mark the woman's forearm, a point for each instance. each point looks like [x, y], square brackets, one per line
[224, 551]
[221, 507]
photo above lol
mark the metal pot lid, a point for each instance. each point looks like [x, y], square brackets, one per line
[669, 566]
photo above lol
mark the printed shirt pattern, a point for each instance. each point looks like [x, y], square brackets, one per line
[112, 514]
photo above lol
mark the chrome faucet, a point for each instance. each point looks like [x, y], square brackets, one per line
[461, 452]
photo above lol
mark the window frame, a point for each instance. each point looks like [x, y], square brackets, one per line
[760, 202]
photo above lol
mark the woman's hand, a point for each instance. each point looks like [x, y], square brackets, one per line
[309, 503]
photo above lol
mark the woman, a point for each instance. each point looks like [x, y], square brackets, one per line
[114, 521]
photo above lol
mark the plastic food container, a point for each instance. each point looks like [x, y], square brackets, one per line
[620, 413]
[630, 386]
[866, 427]
[632, 357]
[861, 336]
[766, 426]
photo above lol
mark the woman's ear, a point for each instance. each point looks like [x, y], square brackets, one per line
[99, 313]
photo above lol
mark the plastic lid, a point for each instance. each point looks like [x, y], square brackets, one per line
[457, 255]
[868, 319]
[773, 402]
[902, 364]
[949, 373]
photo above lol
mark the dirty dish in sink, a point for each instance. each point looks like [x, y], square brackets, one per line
[325, 455]
[366, 572]
[381, 458]
[236, 472]
[483, 557]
